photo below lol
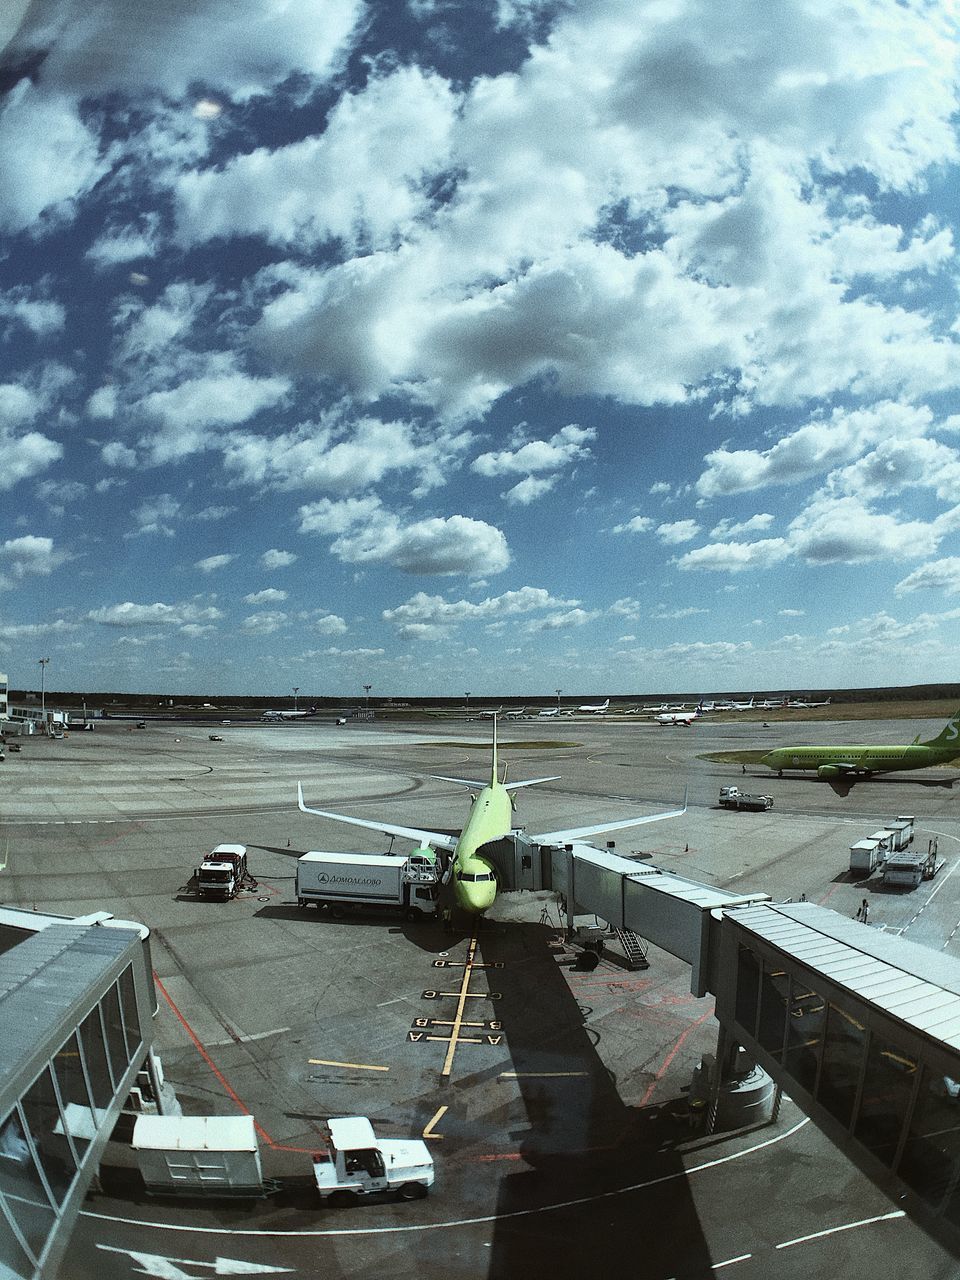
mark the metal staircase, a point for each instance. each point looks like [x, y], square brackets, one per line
[634, 948]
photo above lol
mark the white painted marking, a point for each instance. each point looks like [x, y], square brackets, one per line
[457, 1222]
[399, 1000]
[163, 1267]
[730, 1262]
[245, 1039]
[846, 1226]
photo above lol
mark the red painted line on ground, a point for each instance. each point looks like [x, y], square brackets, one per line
[228, 1088]
[671, 1055]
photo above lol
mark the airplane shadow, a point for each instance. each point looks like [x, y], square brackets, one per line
[563, 1118]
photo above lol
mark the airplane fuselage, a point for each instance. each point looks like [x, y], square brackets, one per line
[858, 759]
[474, 880]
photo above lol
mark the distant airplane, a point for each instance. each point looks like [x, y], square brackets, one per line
[799, 702]
[488, 715]
[547, 711]
[742, 706]
[842, 762]
[473, 877]
[596, 710]
[678, 717]
[515, 714]
[287, 715]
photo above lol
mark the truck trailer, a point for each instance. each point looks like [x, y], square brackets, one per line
[734, 798]
[343, 881]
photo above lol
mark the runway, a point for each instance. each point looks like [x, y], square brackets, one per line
[561, 1134]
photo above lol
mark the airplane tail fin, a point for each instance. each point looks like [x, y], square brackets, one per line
[948, 735]
[493, 766]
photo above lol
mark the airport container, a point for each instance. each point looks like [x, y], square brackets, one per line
[865, 857]
[885, 839]
[198, 1155]
[909, 819]
[902, 833]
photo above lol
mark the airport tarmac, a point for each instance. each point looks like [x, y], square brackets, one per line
[562, 1137]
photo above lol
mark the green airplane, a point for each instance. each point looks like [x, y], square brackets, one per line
[843, 762]
[473, 876]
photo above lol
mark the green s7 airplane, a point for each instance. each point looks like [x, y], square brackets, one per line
[842, 762]
[472, 875]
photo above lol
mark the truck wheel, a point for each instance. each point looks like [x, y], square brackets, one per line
[411, 913]
[412, 1191]
[337, 912]
[341, 1199]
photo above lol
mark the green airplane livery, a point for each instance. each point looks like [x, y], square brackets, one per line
[843, 762]
[472, 876]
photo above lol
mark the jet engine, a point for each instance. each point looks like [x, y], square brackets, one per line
[829, 771]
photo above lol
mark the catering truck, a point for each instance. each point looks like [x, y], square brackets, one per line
[342, 881]
[223, 872]
[361, 1163]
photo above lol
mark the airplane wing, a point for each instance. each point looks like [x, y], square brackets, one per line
[478, 786]
[530, 782]
[581, 833]
[387, 828]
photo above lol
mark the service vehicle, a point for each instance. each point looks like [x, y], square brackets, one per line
[734, 798]
[360, 1164]
[224, 872]
[215, 737]
[866, 856]
[356, 880]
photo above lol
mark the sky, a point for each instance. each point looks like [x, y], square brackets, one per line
[488, 346]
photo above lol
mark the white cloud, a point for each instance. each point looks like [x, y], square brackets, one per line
[361, 182]
[433, 615]
[843, 529]
[240, 46]
[119, 245]
[791, 613]
[637, 524]
[818, 447]
[48, 158]
[27, 555]
[731, 529]
[276, 559]
[677, 532]
[41, 316]
[129, 614]
[735, 557]
[529, 490]
[264, 624]
[565, 621]
[24, 456]
[568, 445]
[328, 624]
[156, 514]
[341, 453]
[271, 595]
[364, 532]
[936, 575]
[211, 563]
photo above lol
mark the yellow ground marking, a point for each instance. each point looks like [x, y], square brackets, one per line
[356, 1066]
[428, 1131]
[458, 1016]
[540, 1075]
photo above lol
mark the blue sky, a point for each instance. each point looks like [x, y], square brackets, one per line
[508, 346]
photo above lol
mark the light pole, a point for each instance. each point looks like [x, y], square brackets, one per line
[43, 698]
[296, 690]
[366, 691]
[559, 691]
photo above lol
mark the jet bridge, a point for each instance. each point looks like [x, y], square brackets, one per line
[861, 1027]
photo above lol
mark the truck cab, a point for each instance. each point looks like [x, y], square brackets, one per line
[222, 872]
[361, 1164]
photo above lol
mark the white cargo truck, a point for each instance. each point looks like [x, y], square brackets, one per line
[360, 1163]
[340, 881]
[902, 831]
